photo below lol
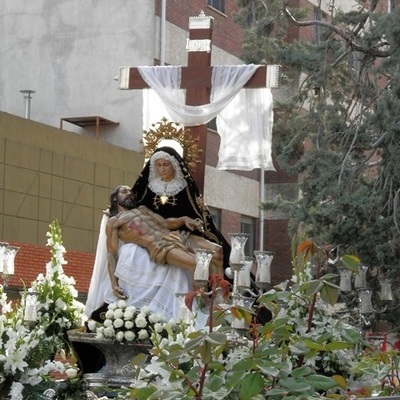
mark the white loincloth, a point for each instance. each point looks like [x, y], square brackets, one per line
[149, 284]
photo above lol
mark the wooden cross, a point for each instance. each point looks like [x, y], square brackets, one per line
[196, 79]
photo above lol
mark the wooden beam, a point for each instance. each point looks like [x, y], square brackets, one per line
[198, 77]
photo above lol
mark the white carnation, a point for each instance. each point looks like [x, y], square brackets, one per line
[120, 336]
[110, 314]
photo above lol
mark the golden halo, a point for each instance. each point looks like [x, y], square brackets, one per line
[168, 130]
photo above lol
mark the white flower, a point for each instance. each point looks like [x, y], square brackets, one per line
[113, 306]
[118, 323]
[107, 323]
[145, 310]
[140, 321]
[129, 325]
[121, 304]
[128, 315]
[16, 391]
[158, 327]
[92, 325]
[109, 332]
[143, 334]
[110, 314]
[131, 309]
[120, 336]
[118, 313]
[71, 373]
[130, 336]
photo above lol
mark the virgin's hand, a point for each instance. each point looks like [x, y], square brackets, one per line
[193, 224]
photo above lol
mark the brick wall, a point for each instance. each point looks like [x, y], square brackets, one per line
[31, 260]
[226, 34]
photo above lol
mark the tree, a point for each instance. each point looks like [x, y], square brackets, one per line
[339, 129]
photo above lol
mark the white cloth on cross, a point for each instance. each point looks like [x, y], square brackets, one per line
[244, 116]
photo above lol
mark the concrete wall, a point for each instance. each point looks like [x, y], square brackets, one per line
[69, 53]
[47, 174]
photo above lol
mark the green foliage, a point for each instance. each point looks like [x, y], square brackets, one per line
[339, 128]
[306, 351]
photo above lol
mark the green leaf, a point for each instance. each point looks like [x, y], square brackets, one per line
[313, 287]
[350, 262]
[312, 345]
[251, 385]
[302, 371]
[216, 338]
[329, 293]
[143, 393]
[321, 382]
[338, 346]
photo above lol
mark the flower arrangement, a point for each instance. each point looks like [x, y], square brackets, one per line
[28, 347]
[124, 323]
[305, 351]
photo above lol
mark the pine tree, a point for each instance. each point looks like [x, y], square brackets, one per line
[339, 126]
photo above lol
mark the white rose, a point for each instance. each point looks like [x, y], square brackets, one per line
[118, 313]
[142, 335]
[107, 323]
[118, 323]
[120, 336]
[110, 314]
[158, 327]
[112, 306]
[130, 336]
[128, 315]
[145, 310]
[131, 309]
[121, 304]
[92, 325]
[71, 373]
[140, 321]
[129, 325]
[109, 332]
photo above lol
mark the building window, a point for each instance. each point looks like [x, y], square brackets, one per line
[247, 225]
[217, 4]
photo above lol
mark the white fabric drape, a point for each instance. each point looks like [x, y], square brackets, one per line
[245, 128]
[253, 115]
[166, 82]
[100, 282]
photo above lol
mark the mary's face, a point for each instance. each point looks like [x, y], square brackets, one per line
[164, 169]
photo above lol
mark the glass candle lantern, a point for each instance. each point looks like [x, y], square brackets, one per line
[201, 273]
[263, 274]
[237, 256]
[345, 280]
[3, 248]
[243, 278]
[361, 277]
[365, 302]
